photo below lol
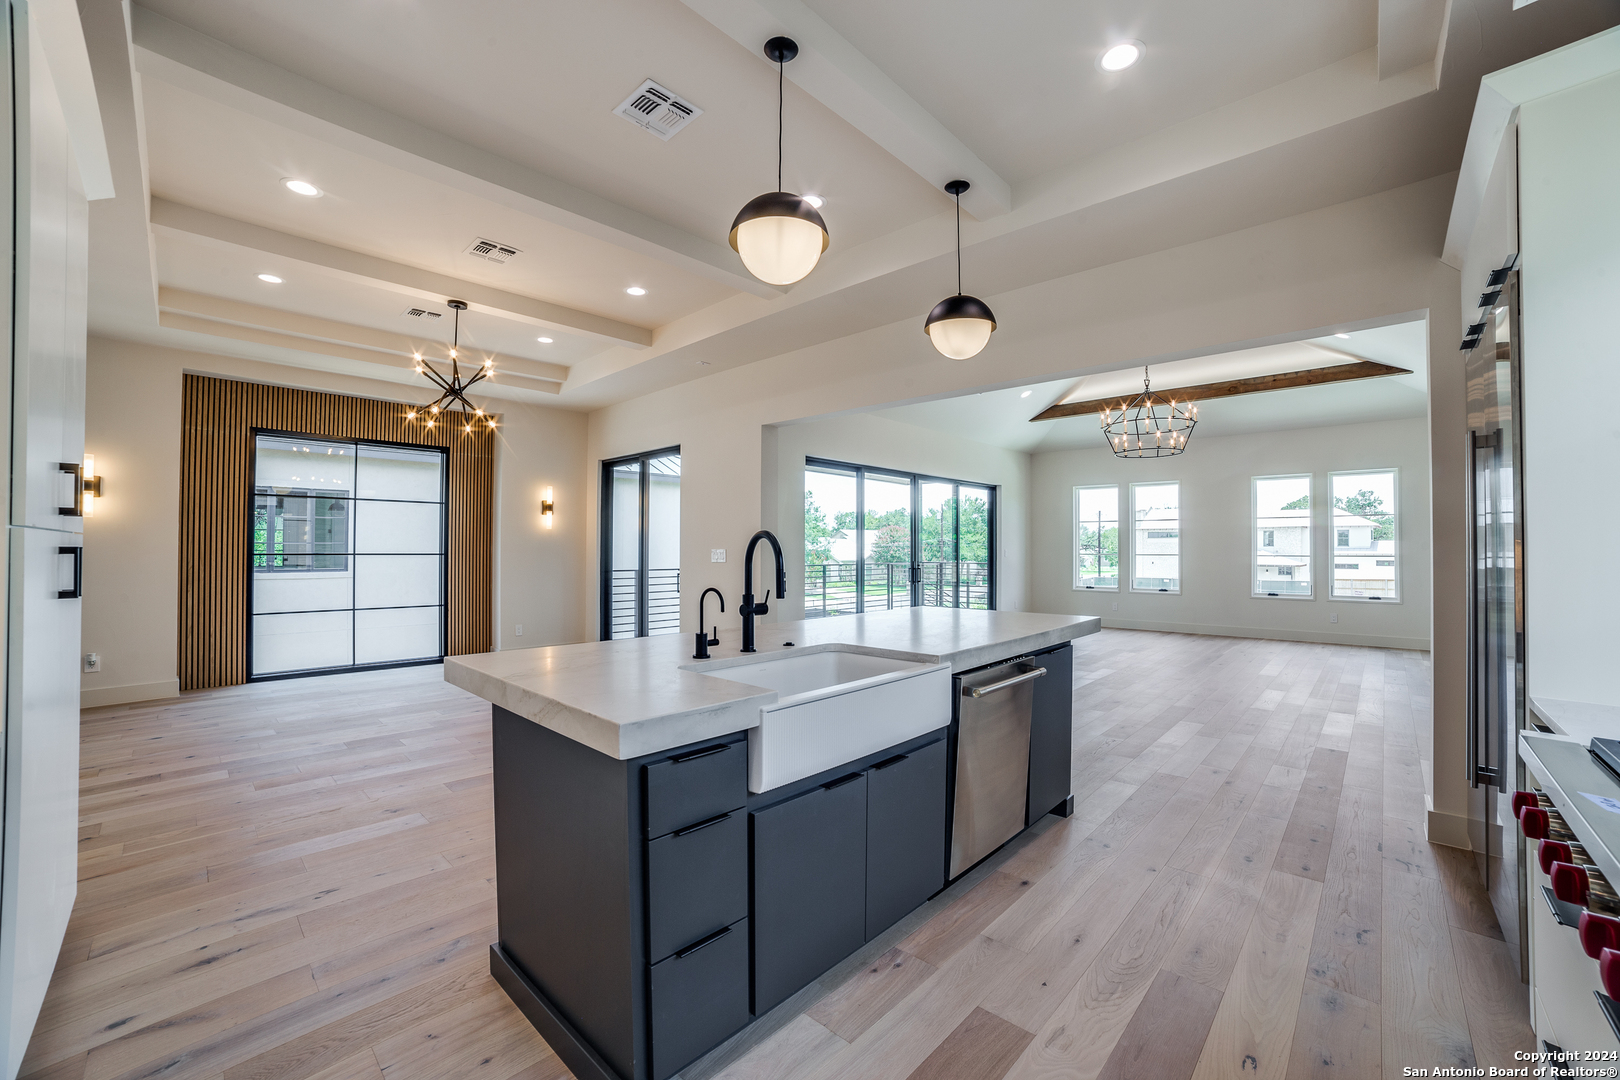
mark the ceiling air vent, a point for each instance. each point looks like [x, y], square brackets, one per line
[660, 111]
[423, 313]
[492, 250]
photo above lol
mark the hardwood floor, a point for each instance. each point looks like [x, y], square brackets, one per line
[296, 880]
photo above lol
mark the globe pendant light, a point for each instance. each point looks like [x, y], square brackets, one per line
[1149, 425]
[779, 235]
[959, 326]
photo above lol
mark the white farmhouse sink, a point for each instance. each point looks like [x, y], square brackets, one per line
[835, 704]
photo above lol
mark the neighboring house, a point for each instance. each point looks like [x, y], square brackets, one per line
[1362, 566]
[1283, 553]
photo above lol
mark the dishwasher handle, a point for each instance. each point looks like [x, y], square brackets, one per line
[981, 691]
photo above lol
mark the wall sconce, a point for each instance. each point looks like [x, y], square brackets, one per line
[547, 508]
[92, 485]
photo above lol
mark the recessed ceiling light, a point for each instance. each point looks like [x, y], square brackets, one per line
[271, 278]
[1026, 393]
[1345, 336]
[636, 290]
[1121, 56]
[816, 201]
[301, 187]
[544, 340]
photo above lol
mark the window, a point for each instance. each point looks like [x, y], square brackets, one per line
[876, 539]
[641, 545]
[1096, 537]
[1156, 545]
[1282, 538]
[1364, 524]
[346, 555]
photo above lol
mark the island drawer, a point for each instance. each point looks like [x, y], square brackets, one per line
[699, 998]
[696, 784]
[697, 881]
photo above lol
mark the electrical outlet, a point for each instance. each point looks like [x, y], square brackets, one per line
[717, 554]
[1114, 606]
[92, 661]
[519, 629]
[1333, 616]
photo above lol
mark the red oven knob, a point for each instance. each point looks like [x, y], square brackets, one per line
[1598, 932]
[1522, 799]
[1609, 972]
[1535, 823]
[1551, 851]
[1570, 883]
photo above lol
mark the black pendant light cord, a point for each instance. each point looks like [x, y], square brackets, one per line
[958, 243]
[781, 93]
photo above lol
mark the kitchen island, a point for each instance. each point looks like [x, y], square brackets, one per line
[681, 845]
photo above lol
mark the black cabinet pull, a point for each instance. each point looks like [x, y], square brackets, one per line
[702, 943]
[693, 755]
[841, 781]
[886, 762]
[77, 509]
[690, 829]
[78, 573]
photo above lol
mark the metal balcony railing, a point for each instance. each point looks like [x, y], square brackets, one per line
[663, 601]
[830, 588]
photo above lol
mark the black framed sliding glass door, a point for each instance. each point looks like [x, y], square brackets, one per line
[641, 545]
[347, 567]
[878, 539]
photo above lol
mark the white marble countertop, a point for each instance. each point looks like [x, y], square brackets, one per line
[639, 695]
[1578, 719]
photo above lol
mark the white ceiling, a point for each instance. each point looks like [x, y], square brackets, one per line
[429, 124]
[1003, 417]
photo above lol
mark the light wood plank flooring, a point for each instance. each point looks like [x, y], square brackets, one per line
[296, 880]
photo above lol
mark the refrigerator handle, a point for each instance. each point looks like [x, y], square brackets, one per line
[77, 509]
[77, 591]
[1471, 601]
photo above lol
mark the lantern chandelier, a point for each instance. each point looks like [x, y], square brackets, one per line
[454, 386]
[1150, 425]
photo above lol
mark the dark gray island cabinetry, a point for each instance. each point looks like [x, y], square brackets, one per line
[679, 851]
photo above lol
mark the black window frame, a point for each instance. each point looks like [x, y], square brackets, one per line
[916, 480]
[444, 560]
[644, 539]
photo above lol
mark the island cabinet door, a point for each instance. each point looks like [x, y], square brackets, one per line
[1051, 731]
[905, 834]
[697, 882]
[809, 886]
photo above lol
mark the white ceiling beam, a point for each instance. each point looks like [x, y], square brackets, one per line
[840, 76]
[1411, 33]
[61, 36]
[395, 277]
[175, 320]
[180, 55]
[220, 309]
[123, 269]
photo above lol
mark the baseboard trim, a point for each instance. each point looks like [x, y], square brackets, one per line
[564, 1039]
[124, 695]
[1374, 641]
[1448, 830]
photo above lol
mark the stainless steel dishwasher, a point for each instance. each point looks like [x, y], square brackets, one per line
[992, 759]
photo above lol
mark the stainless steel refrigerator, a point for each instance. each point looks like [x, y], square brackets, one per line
[1496, 599]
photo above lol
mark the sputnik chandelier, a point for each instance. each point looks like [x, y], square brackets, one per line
[453, 399]
[1150, 425]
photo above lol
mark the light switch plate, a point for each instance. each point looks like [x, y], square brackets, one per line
[717, 554]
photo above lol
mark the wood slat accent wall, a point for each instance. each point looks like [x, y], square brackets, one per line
[219, 417]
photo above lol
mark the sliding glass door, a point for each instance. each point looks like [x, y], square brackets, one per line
[347, 567]
[876, 539]
[641, 545]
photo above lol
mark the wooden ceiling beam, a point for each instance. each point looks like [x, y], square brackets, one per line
[1259, 384]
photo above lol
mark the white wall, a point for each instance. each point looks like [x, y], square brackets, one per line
[863, 439]
[132, 423]
[1216, 535]
[1569, 171]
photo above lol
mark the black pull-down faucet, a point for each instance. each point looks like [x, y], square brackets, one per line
[704, 640]
[748, 608]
